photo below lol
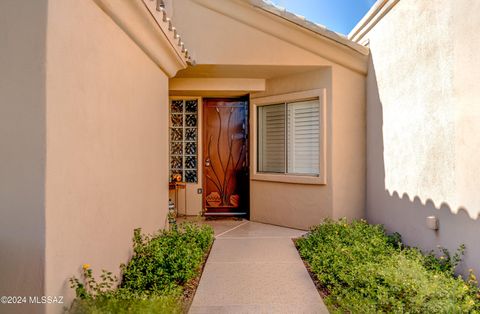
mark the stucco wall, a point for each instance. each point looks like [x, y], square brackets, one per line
[348, 143]
[304, 205]
[107, 133]
[287, 204]
[422, 123]
[22, 150]
[210, 34]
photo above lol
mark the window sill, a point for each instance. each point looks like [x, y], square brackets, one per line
[285, 178]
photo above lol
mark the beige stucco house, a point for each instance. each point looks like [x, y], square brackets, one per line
[262, 113]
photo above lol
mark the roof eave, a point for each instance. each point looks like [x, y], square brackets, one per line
[314, 27]
[145, 22]
[319, 42]
[371, 18]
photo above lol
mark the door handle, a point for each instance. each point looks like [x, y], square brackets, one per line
[207, 162]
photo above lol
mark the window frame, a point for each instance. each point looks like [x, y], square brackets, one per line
[198, 154]
[319, 94]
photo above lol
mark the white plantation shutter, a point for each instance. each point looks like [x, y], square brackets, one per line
[303, 125]
[271, 138]
[289, 138]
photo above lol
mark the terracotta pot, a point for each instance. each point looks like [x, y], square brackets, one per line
[213, 199]
[234, 200]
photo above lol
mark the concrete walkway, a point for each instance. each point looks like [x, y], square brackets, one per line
[255, 268]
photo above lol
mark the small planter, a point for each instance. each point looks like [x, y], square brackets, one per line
[213, 199]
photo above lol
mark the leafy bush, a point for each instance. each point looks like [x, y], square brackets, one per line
[153, 280]
[365, 271]
[121, 302]
[164, 262]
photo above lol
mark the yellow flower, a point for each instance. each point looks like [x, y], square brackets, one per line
[86, 266]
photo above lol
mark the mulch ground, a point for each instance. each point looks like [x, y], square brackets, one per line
[191, 286]
[320, 288]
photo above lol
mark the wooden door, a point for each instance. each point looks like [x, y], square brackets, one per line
[225, 164]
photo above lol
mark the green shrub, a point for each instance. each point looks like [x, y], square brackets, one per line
[166, 261]
[365, 271]
[153, 280]
[121, 302]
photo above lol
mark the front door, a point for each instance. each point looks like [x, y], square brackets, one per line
[225, 154]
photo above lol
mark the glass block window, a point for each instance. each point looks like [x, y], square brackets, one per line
[184, 139]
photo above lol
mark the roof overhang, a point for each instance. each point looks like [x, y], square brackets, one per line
[216, 86]
[216, 80]
[303, 22]
[373, 16]
[306, 35]
[146, 23]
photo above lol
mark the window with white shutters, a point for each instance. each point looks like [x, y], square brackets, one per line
[271, 139]
[289, 138]
[303, 129]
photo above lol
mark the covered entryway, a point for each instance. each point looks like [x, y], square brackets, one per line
[299, 156]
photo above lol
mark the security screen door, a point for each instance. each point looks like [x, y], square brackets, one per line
[225, 145]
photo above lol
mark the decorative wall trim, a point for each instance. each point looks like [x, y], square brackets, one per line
[373, 16]
[149, 27]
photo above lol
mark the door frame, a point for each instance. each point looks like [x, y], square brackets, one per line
[205, 100]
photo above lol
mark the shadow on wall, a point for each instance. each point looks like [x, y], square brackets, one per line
[406, 214]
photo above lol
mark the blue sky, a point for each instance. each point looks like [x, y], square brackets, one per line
[337, 15]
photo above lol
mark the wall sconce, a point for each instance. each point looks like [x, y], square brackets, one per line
[432, 222]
